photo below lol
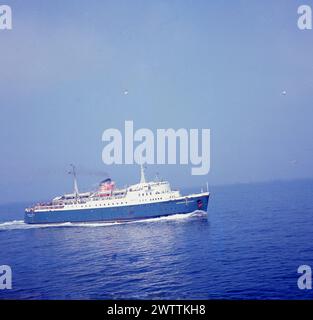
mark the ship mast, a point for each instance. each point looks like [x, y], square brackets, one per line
[73, 172]
[142, 178]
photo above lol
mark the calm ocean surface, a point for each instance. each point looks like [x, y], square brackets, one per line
[249, 246]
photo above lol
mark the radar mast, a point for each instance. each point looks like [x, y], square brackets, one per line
[142, 177]
[73, 172]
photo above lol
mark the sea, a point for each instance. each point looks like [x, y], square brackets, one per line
[249, 245]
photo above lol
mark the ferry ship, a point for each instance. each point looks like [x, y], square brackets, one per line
[109, 204]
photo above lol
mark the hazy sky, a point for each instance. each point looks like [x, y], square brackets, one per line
[221, 65]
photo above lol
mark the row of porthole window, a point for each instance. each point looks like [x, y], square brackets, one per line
[86, 206]
[171, 197]
[103, 205]
[150, 193]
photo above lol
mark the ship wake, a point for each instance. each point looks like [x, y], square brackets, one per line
[20, 224]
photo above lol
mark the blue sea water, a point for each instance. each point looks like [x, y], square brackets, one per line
[248, 246]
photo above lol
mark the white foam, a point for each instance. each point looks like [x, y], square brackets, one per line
[20, 224]
[173, 217]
